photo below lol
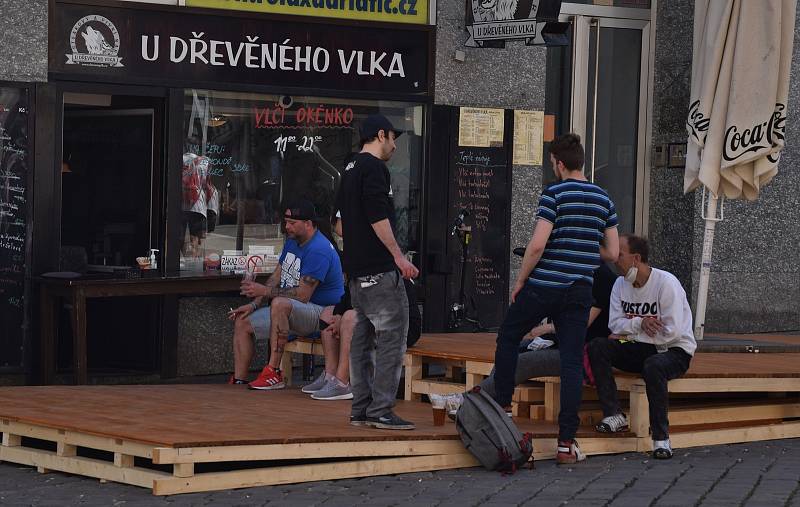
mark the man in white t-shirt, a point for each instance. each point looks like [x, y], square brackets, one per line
[651, 325]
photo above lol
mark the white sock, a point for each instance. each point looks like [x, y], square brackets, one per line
[328, 376]
[662, 444]
[340, 383]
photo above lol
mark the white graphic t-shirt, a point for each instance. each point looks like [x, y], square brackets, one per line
[661, 297]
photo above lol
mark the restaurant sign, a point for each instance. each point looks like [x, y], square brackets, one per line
[168, 47]
[392, 11]
[490, 22]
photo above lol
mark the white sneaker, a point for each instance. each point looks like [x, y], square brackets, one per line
[568, 453]
[613, 424]
[662, 449]
[540, 343]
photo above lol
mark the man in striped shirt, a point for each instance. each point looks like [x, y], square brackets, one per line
[576, 229]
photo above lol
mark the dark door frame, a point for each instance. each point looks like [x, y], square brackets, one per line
[46, 189]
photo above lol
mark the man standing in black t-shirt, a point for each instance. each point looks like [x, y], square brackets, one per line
[375, 264]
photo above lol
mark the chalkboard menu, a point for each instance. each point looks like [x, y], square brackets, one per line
[480, 185]
[13, 214]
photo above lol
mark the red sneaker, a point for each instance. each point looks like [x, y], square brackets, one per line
[270, 378]
[235, 381]
[568, 453]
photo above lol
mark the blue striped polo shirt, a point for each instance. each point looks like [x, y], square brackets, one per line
[580, 213]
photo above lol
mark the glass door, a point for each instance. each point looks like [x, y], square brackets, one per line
[609, 109]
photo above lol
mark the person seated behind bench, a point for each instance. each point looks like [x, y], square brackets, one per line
[334, 382]
[308, 278]
[540, 358]
[651, 324]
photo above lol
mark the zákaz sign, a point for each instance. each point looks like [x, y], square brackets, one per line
[392, 11]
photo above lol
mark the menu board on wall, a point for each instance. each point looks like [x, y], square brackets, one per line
[480, 127]
[479, 185]
[13, 216]
[528, 135]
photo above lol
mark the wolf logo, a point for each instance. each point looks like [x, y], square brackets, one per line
[95, 42]
[100, 40]
[493, 10]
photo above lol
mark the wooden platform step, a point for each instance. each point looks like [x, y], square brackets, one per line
[185, 438]
[192, 438]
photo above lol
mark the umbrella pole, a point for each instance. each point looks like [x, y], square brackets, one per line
[710, 217]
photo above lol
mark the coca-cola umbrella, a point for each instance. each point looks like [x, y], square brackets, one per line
[737, 114]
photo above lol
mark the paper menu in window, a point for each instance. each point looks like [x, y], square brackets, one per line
[480, 127]
[528, 131]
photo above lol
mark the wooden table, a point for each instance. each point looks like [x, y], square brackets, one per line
[78, 290]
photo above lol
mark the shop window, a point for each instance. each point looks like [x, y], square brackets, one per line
[247, 156]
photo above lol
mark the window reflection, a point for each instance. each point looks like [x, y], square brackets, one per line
[246, 156]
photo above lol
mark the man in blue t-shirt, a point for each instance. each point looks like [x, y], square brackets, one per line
[308, 278]
[576, 227]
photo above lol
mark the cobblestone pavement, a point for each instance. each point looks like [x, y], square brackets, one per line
[755, 474]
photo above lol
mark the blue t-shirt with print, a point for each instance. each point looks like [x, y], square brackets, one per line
[317, 259]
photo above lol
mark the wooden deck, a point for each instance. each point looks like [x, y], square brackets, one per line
[786, 338]
[166, 437]
[189, 438]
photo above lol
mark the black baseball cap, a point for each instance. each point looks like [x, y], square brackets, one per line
[377, 122]
[301, 209]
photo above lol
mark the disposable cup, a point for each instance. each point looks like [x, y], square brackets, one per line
[248, 276]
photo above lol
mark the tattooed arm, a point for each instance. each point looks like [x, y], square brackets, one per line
[258, 291]
[301, 293]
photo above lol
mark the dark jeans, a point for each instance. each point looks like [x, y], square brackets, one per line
[569, 309]
[531, 363]
[379, 342]
[656, 368]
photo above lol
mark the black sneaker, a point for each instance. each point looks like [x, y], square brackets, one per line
[390, 421]
[358, 420]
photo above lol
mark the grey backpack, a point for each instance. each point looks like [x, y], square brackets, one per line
[490, 435]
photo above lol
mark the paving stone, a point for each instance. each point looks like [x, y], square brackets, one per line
[545, 501]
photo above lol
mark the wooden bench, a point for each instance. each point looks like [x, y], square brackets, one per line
[712, 376]
[709, 374]
[300, 345]
[451, 350]
[473, 353]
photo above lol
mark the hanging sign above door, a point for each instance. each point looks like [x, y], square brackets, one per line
[492, 22]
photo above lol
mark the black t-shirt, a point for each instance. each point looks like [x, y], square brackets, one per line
[364, 199]
[604, 280]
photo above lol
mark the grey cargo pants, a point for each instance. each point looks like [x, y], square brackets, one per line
[379, 342]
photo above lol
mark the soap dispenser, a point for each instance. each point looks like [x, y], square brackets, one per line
[153, 260]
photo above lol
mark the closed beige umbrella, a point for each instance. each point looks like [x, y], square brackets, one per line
[737, 114]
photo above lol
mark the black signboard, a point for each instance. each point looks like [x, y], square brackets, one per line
[183, 48]
[13, 214]
[490, 24]
[479, 187]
